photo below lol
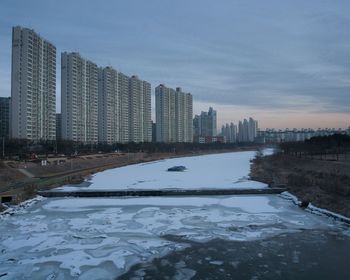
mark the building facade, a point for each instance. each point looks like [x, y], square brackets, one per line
[247, 130]
[229, 131]
[58, 126]
[5, 117]
[109, 106]
[33, 86]
[140, 123]
[174, 113]
[79, 98]
[205, 124]
[146, 112]
[124, 107]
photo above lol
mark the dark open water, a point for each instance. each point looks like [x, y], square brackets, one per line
[304, 255]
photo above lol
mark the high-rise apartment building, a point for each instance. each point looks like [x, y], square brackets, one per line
[140, 123]
[229, 131]
[146, 112]
[174, 112]
[205, 124]
[247, 130]
[165, 114]
[123, 87]
[33, 86]
[196, 125]
[79, 98]
[188, 111]
[252, 129]
[5, 117]
[109, 105]
[124, 108]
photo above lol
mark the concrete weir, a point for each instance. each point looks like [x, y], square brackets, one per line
[177, 192]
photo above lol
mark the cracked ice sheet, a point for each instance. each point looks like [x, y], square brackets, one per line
[75, 237]
[226, 170]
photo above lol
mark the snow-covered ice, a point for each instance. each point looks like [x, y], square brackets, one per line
[226, 170]
[87, 238]
[72, 237]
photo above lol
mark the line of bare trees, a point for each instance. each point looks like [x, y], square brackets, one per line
[332, 147]
[25, 149]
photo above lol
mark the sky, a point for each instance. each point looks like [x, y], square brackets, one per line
[285, 63]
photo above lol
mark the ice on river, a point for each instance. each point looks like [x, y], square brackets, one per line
[226, 170]
[101, 238]
[85, 238]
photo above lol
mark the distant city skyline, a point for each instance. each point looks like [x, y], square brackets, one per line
[283, 63]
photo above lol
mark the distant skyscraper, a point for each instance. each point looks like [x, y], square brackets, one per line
[247, 130]
[240, 132]
[196, 125]
[230, 132]
[252, 130]
[4, 116]
[174, 112]
[212, 122]
[33, 86]
[154, 132]
[205, 124]
[79, 90]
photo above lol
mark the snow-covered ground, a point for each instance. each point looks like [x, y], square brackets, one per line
[81, 238]
[227, 170]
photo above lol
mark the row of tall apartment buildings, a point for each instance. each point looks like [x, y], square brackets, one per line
[205, 129]
[246, 131]
[98, 104]
[102, 104]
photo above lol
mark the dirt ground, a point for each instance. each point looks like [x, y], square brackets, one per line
[324, 183]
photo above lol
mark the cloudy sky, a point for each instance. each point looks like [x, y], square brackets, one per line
[285, 63]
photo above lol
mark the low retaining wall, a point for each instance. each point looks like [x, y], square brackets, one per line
[110, 193]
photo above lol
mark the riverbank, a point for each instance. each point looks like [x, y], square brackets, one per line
[21, 187]
[326, 184]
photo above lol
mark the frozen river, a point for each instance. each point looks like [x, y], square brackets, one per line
[228, 170]
[167, 237]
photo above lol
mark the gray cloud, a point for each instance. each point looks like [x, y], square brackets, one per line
[263, 54]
